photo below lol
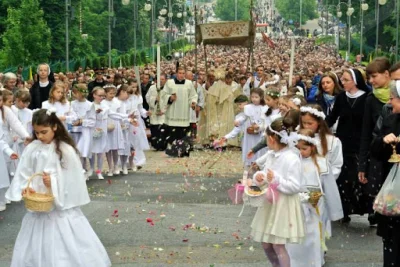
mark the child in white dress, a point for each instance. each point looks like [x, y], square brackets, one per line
[99, 143]
[24, 115]
[8, 98]
[281, 222]
[241, 101]
[62, 237]
[59, 102]
[272, 101]
[115, 138]
[122, 96]
[82, 128]
[10, 125]
[315, 171]
[5, 152]
[330, 147]
[137, 132]
[254, 125]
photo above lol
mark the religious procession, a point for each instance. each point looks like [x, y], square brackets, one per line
[259, 144]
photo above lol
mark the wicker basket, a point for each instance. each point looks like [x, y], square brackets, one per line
[38, 202]
[254, 200]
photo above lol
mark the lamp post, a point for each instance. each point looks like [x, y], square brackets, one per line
[67, 35]
[170, 16]
[135, 26]
[364, 7]
[378, 4]
[236, 6]
[397, 28]
[349, 12]
[151, 7]
[301, 14]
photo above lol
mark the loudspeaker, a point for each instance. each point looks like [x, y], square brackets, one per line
[168, 57]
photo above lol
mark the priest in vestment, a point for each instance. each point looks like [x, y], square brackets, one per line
[220, 111]
[177, 98]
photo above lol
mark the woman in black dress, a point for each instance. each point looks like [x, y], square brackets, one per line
[349, 109]
[369, 168]
[389, 227]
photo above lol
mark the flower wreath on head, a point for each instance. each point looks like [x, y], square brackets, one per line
[51, 111]
[80, 89]
[296, 101]
[273, 94]
[290, 139]
[109, 85]
[307, 139]
[313, 111]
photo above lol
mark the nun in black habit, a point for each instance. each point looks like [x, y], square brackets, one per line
[349, 111]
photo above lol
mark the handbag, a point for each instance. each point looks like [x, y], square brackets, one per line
[252, 130]
[97, 133]
[110, 127]
[387, 202]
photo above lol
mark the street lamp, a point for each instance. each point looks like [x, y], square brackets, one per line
[349, 13]
[170, 15]
[364, 7]
[378, 3]
[135, 24]
[301, 15]
[397, 28]
[110, 17]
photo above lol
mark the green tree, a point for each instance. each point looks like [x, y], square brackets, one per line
[290, 10]
[225, 10]
[27, 37]
[387, 20]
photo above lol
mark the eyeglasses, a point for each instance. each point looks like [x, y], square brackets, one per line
[345, 80]
[101, 96]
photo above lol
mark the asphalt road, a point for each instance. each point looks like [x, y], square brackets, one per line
[194, 225]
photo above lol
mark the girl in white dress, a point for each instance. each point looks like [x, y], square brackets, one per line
[82, 128]
[122, 96]
[99, 143]
[315, 171]
[62, 237]
[272, 101]
[254, 125]
[5, 153]
[115, 138]
[24, 115]
[281, 222]
[137, 132]
[330, 147]
[9, 122]
[58, 101]
[8, 98]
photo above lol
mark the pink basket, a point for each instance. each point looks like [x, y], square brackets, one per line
[236, 194]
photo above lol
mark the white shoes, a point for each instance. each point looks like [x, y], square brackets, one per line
[110, 174]
[125, 171]
[8, 202]
[116, 171]
[134, 168]
[3, 208]
[100, 176]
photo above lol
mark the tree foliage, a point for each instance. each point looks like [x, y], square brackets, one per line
[89, 17]
[387, 21]
[290, 10]
[27, 36]
[225, 10]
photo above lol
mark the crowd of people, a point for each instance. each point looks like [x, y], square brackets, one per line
[329, 129]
